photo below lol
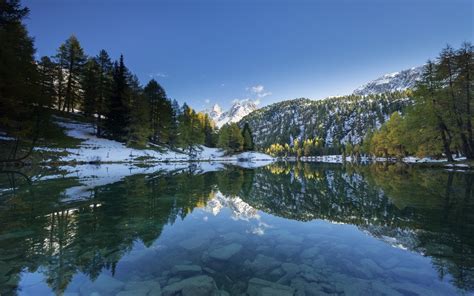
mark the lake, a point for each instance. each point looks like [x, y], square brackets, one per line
[216, 229]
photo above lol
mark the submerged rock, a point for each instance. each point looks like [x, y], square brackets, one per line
[259, 287]
[290, 268]
[224, 253]
[232, 236]
[201, 285]
[287, 250]
[310, 253]
[351, 285]
[263, 263]
[223, 293]
[389, 262]
[186, 270]
[140, 288]
[104, 284]
[369, 264]
[197, 241]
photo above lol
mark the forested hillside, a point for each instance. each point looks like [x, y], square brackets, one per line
[327, 123]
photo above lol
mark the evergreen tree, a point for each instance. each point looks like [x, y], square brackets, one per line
[209, 132]
[230, 138]
[47, 72]
[173, 132]
[20, 102]
[185, 127]
[71, 59]
[197, 128]
[118, 115]
[248, 138]
[161, 112]
[139, 130]
[223, 137]
[190, 128]
[429, 102]
[90, 87]
[104, 87]
[464, 62]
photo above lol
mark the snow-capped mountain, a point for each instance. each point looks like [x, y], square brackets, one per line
[398, 81]
[238, 110]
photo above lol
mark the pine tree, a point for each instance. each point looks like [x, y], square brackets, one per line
[47, 72]
[429, 101]
[185, 128]
[104, 87]
[248, 138]
[118, 115]
[198, 125]
[71, 58]
[139, 130]
[223, 137]
[161, 112]
[173, 131]
[209, 132]
[230, 138]
[464, 61]
[90, 88]
[20, 102]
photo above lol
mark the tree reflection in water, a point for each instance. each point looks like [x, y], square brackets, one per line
[429, 211]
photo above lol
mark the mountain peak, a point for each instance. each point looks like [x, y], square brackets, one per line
[216, 108]
[237, 111]
[396, 81]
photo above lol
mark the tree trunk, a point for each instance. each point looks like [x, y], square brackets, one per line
[468, 111]
[465, 144]
[446, 143]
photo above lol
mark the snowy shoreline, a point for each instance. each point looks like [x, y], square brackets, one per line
[101, 151]
[95, 150]
[459, 163]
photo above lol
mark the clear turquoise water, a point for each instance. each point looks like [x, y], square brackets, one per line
[283, 229]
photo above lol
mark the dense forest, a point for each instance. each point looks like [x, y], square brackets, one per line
[98, 88]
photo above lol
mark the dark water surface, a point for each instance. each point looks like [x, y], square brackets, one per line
[282, 229]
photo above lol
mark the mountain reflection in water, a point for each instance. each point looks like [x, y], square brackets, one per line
[291, 227]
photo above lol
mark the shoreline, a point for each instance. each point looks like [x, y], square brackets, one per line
[458, 165]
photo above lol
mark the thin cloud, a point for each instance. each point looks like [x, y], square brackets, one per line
[158, 75]
[259, 91]
[246, 100]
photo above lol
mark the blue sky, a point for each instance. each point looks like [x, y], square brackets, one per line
[216, 51]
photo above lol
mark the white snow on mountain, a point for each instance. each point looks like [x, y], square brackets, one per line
[239, 109]
[397, 81]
